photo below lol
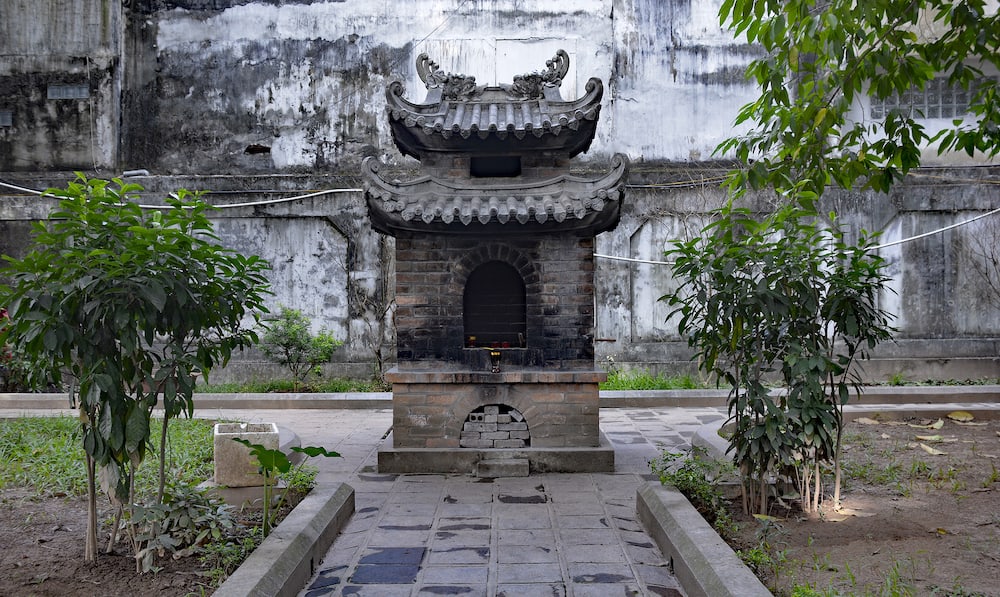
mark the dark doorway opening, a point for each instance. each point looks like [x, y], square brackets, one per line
[494, 307]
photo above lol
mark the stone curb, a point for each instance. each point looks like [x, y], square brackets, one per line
[702, 562]
[283, 564]
[609, 399]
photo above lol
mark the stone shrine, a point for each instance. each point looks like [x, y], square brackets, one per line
[494, 275]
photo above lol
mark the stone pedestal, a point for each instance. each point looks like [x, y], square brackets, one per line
[234, 466]
[432, 432]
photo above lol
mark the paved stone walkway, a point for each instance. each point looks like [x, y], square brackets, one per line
[551, 535]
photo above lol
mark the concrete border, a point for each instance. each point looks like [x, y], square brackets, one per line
[283, 564]
[703, 563]
[608, 399]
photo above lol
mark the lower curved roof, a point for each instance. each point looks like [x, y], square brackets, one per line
[565, 203]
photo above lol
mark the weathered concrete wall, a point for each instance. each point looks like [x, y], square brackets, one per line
[50, 50]
[263, 99]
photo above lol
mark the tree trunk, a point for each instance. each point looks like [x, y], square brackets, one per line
[90, 550]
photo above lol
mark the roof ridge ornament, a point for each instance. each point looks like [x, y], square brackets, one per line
[453, 86]
[532, 85]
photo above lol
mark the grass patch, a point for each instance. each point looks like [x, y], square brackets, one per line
[45, 453]
[333, 385]
[641, 380]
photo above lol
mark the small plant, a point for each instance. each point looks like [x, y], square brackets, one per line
[897, 379]
[187, 519]
[992, 478]
[274, 463]
[288, 341]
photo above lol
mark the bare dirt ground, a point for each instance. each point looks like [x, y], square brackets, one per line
[42, 555]
[921, 516]
[42, 543]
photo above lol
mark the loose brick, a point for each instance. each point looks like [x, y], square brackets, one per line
[494, 435]
[508, 443]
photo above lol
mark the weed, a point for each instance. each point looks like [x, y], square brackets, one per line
[698, 477]
[992, 478]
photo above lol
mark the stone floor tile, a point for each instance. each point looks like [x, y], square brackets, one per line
[524, 521]
[393, 555]
[606, 590]
[587, 521]
[385, 574]
[527, 554]
[464, 509]
[376, 591]
[656, 574]
[389, 537]
[588, 536]
[526, 536]
[644, 555]
[529, 573]
[531, 590]
[444, 539]
[460, 590]
[455, 575]
[600, 573]
[458, 555]
[464, 523]
[595, 553]
[410, 509]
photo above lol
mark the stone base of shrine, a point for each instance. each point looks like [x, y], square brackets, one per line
[597, 459]
[448, 421]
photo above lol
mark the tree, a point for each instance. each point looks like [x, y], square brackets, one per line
[288, 341]
[130, 305]
[824, 56]
[780, 297]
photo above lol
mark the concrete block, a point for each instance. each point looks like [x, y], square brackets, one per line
[475, 443]
[494, 435]
[506, 467]
[512, 427]
[508, 443]
[520, 435]
[234, 466]
[480, 427]
[504, 419]
[491, 409]
[490, 418]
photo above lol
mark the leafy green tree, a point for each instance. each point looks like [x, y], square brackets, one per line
[822, 57]
[130, 304]
[784, 297]
[807, 131]
[288, 341]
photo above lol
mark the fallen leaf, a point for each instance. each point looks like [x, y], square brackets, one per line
[940, 531]
[935, 425]
[932, 451]
[866, 421]
[972, 424]
[961, 416]
[886, 436]
[930, 438]
[767, 518]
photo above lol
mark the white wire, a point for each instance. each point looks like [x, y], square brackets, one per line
[610, 257]
[939, 230]
[224, 206]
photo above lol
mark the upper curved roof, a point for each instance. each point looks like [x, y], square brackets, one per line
[459, 116]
